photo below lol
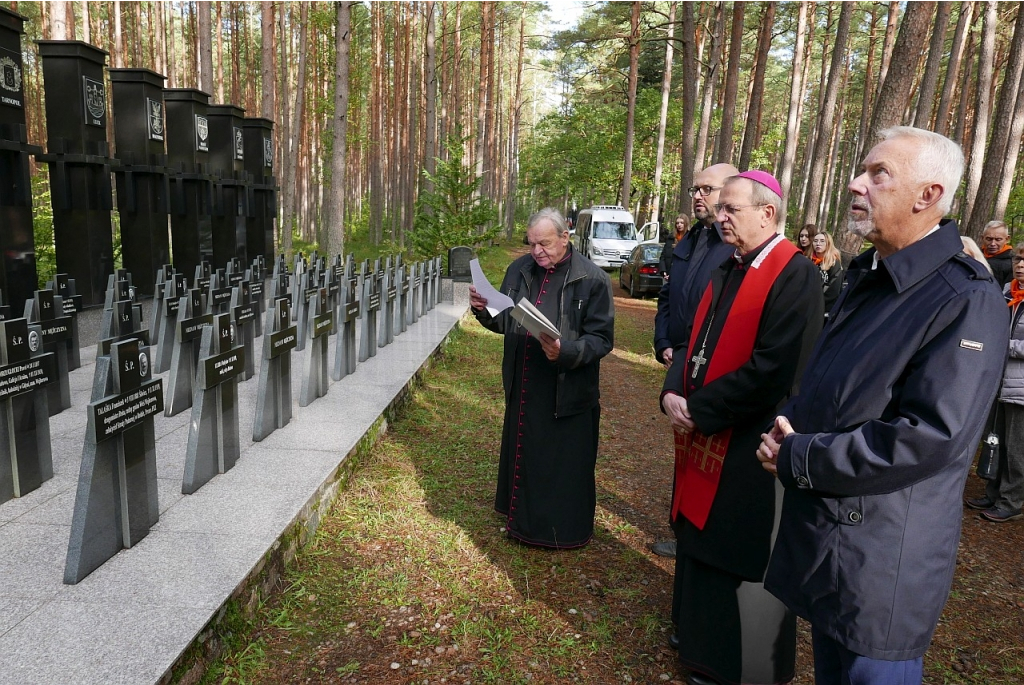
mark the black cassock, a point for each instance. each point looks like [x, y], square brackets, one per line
[728, 626]
[546, 470]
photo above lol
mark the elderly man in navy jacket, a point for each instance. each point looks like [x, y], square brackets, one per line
[875, 450]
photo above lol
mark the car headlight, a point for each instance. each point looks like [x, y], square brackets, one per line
[596, 251]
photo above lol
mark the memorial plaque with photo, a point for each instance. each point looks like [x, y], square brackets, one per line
[55, 331]
[25, 458]
[314, 378]
[116, 502]
[458, 264]
[274, 395]
[188, 331]
[213, 444]
[244, 313]
[173, 291]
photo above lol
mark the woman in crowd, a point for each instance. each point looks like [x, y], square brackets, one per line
[827, 258]
[972, 250]
[803, 240]
[1004, 496]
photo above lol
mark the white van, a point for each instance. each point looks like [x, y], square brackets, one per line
[606, 234]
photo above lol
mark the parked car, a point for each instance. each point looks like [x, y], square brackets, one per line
[640, 273]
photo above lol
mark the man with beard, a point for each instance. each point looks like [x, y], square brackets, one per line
[875, 449]
[752, 331]
[693, 257]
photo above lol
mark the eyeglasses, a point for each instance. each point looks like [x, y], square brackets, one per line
[733, 209]
[703, 190]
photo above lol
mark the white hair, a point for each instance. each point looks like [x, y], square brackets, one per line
[939, 160]
[552, 215]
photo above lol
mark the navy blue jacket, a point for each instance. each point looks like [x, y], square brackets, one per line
[679, 297]
[889, 414]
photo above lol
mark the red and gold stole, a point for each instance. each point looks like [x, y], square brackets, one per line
[699, 457]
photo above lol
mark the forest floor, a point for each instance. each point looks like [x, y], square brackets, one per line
[411, 579]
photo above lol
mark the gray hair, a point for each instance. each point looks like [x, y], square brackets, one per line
[552, 215]
[760, 194]
[995, 224]
[939, 160]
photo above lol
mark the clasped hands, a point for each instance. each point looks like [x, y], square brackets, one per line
[678, 413]
[768, 451]
[552, 347]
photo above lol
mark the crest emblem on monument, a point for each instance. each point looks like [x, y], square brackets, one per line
[239, 143]
[268, 152]
[10, 75]
[155, 119]
[202, 134]
[95, 101]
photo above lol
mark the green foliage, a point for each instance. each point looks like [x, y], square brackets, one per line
[453, 213]
[42, 230]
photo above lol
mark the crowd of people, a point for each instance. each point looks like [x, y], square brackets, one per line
[824, 420]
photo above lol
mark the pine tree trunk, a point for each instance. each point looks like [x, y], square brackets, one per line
[982, 111]
[666, 87]
[86, 28]
[826, 116]
[59, 20]
[992, 176]
[732, 79]
[205, 47]
[118, 39]
[868, 90]
[267, 60]
[956, 54]
[335, 220]
[376, 125]
[517, 109]
[888, 45]
[430, 84]
[291, 160]
[634, 61]
[219, 52]
[930, 79]
[752, 130]
[1007, 181]
[236, 52]
[711, 75]
[796, 94]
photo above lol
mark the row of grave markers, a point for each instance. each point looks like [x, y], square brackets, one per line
[212, 350]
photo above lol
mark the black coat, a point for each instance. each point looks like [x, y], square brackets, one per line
[586, 322]
[737, 535]
[1002, 267]
[831, 284]
[887, 420]
[681, 293]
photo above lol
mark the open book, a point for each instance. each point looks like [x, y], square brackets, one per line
[532, 320]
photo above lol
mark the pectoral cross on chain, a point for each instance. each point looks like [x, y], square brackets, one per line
[698, 361]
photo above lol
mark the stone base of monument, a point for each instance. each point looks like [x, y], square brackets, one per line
[134, 617]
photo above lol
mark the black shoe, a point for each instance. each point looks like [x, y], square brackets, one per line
[700, 679]
[673, 641]
[665, 549]
[1001, 515]
[980, 503]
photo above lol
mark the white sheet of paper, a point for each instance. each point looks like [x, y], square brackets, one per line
[496, 302]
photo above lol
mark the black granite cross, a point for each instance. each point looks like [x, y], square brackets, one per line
[55, 330]
[274, 395]
[314, 378]
[185, 355]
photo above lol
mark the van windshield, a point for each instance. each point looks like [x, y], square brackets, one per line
[613, 230]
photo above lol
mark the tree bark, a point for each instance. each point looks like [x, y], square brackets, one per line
[430, 127]
[59, 20]
[335, 220]
[205, 47]
[732, 79]
[956, 54]
[796, 94]
[982, 111]
[689, 57]
[296, 129]
[826, 116]
[930, 79]
[1010, 160]
[666, 87]
[710, 78]
[376, 142]
[220, 54]
[888, 45]
[86, 28]
[118, 38]
[267, 60]
[992, 176]
[865, 107]
[634, 61]
[517, 109]
[752, 130]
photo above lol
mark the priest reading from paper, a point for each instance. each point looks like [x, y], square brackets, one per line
[546, 490]
[752, 332]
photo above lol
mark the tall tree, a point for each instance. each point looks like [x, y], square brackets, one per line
[930, 79]
[826, 116]
[796, 94]
[267, 60]
[752, 130]
[430, 99]
[634, 67]
[59, 20]
[711, 75]
[517, 111]
[292, 153]
[666, 87]
[203, 8]
[982, 209]
[335, 220]
[956, 54]
[982, 111]
[118, 37]
[732, 79]
[689, 57]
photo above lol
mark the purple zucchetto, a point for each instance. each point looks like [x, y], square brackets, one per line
[764, 178]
